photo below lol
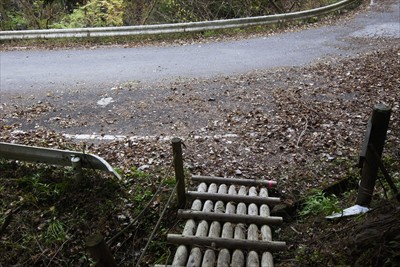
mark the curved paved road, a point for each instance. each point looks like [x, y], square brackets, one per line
[23, 71]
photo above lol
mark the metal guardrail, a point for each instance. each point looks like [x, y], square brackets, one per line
[54, 156]
[173, 28]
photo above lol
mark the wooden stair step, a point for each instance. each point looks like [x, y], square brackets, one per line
[236, 181]
[233, 218]
[234, 198]
[228, 243]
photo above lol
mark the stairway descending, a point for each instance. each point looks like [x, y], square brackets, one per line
[228, 224]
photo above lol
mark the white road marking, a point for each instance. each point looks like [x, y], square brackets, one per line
[135, 138]
[99, 137]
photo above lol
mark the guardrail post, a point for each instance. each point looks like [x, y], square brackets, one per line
[373, 147]
[99, 251]
[179, 173]
[77, 167]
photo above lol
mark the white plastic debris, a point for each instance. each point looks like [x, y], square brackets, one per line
[144, 167]
[121, 217]
[105, 101]
[354, 210]
[238, 172]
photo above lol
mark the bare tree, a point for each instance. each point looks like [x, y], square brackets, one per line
[226, 9]
[137, 12]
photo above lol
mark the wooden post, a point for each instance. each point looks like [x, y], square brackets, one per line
[179, 174]
[374, 144]
[99, 251]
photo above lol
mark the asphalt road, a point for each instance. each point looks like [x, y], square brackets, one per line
[29, 71]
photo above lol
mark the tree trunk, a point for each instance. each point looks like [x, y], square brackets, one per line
[134, 12]
[278, 8]
[4, 5]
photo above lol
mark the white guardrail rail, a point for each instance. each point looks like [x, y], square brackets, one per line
[55, 156]
[173, 28]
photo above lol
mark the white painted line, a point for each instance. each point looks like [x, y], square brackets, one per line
[95, 137]
[141, 138]
[107, 137]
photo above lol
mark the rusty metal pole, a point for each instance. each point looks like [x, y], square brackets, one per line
[99, 251]
[179, 173]
[374, 144]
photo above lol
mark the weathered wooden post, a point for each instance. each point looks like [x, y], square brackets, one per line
[99, 251]
[179, 174]
[373, 146]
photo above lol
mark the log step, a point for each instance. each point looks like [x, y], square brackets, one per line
[228, 243]
[236, 181]
[233, 198]
[233, 218]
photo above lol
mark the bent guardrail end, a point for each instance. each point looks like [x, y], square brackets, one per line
[53, 156]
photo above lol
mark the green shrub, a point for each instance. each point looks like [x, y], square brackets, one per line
[318, 203]
[96, 13]
[15, 21]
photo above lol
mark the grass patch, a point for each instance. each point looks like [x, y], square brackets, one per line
[45, 215]
[318, 203]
